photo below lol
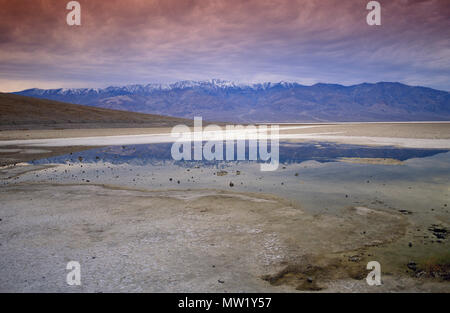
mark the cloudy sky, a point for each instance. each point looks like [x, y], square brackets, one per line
[142, 41]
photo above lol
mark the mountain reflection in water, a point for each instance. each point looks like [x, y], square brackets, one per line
[289, 153]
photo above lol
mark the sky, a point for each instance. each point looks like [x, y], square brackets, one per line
[161, 41]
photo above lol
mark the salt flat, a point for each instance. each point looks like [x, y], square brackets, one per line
[407, 135]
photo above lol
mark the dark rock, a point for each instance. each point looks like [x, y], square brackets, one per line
[354, 258]
[412, 265]
[438, 231]
[420, 274]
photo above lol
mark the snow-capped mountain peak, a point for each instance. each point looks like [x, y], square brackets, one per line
[215, 84]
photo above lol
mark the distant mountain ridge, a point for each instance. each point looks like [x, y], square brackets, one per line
[221, 100]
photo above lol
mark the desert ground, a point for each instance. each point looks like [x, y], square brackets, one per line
[308, 226]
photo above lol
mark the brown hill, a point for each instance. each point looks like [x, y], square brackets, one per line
[20, 112]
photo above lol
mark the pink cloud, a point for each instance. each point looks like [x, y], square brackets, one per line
[141, 40]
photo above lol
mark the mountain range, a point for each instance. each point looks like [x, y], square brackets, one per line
[219, 100]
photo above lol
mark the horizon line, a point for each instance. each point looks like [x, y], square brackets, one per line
[237, 83]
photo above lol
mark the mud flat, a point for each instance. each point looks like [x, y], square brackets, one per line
[418, 130]
[203, 240]
[385, 161]
[161, 239]
[423, 130]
